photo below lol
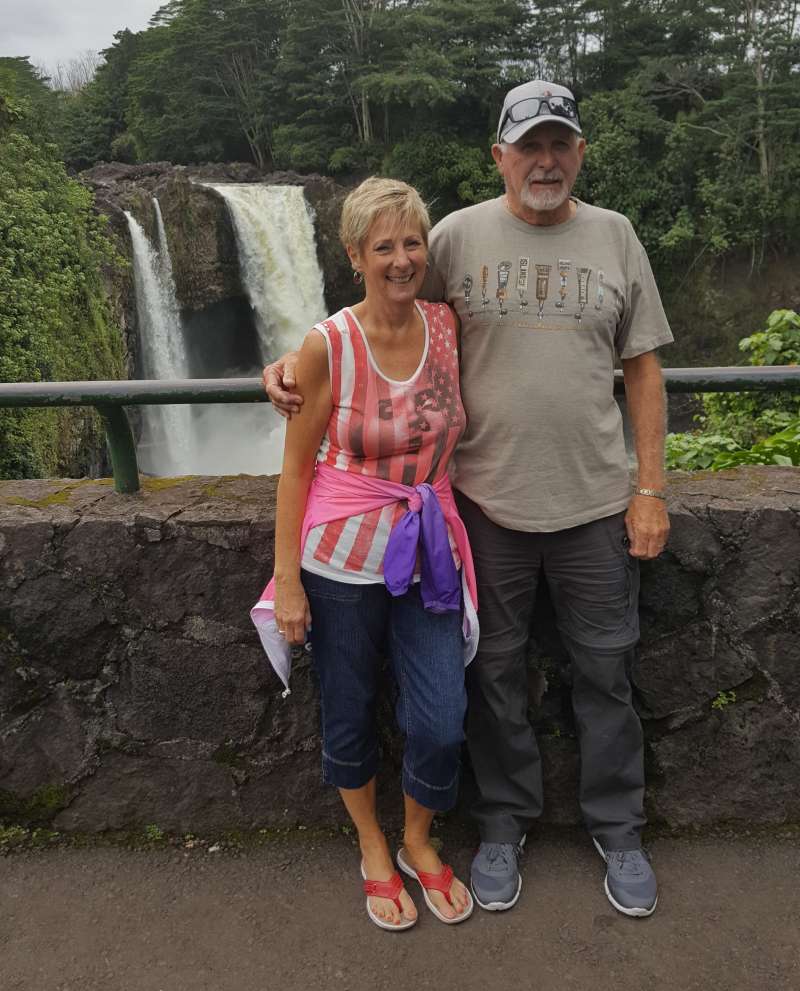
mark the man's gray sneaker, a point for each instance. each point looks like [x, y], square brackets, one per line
[630, 882]
[495, 879]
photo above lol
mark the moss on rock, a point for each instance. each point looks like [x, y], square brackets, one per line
[41, 806]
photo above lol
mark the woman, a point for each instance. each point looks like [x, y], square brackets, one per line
[369, 544]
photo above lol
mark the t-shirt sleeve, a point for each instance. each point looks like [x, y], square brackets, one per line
[434, 288]
[644, 326]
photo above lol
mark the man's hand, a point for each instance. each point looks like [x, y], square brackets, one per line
[647, 524]
[279, 381]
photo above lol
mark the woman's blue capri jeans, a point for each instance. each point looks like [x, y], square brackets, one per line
[353, 628]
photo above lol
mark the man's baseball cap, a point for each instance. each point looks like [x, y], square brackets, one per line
[533, 103]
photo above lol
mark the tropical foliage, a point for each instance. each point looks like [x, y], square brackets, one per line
[54, 318]
[748, 427]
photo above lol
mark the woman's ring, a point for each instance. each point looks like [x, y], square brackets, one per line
[282, 632]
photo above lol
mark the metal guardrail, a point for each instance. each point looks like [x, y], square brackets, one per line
[111, 398]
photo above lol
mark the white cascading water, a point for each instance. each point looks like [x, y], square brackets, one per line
[166, 444]
[278, 261]
[164, 260]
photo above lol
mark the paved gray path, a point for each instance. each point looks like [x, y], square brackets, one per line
[290, 916]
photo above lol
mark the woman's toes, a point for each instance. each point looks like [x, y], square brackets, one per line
[409, 909]
[459, 895]
[380, 908]
[458, 902]
[444, 906]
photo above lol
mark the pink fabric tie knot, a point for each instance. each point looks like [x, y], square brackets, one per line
[415, 502]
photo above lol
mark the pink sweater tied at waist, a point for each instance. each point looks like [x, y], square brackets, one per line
[337, 494]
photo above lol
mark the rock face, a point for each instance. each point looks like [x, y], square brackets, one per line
[133, 689]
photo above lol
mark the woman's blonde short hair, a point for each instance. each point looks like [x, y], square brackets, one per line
[374, 197]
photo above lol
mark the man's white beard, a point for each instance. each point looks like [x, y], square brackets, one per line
[543, 199]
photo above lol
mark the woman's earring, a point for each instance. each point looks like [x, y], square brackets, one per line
[358, 277]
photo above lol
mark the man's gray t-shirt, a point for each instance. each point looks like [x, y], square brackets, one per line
[544, 312]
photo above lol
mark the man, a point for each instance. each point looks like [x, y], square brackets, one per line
[549, 290]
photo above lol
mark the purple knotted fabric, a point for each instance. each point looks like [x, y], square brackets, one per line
[423, 527]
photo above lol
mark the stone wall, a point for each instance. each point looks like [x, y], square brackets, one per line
[133, 689]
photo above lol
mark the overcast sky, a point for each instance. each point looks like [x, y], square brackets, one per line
[53, 31]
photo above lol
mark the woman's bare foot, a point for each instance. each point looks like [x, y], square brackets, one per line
[378, 866]
[422, 857]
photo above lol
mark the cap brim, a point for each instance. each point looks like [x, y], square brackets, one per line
[516, 132]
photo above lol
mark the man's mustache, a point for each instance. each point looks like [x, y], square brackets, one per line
[545, 176]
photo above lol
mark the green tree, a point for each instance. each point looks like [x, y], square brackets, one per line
[54, 314]
[627, 166]
[37, 106]
[202, 84]
[448, 173]
[95, 117]
[356, 85]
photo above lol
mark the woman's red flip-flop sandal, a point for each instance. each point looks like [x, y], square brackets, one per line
[436, 882]
[386, 889]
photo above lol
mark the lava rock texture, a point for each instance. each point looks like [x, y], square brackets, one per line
[134, 691]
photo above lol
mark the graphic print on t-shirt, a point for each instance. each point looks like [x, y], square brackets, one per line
[562, 288]
[564, 266]
[502, 285]
[583, 290]
[522, 281]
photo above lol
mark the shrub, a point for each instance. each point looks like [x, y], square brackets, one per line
[747, 427]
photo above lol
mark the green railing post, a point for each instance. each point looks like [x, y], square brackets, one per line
[121, 448]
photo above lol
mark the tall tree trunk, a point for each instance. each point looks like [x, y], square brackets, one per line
[359, 15]
[366, 121]
[239, 83]
[756, 31]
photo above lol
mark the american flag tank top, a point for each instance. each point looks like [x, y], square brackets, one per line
[401, 431]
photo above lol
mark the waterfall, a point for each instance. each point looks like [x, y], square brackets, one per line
[278, 261]
[165, 448]
[165, 266]
[283, 281]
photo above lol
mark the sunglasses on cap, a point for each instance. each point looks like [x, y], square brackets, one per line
[537, 106]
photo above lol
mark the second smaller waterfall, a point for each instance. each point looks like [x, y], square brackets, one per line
[166, 445]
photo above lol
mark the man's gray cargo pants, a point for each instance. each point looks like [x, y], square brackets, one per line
[594, 584]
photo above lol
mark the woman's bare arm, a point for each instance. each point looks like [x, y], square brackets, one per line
[304, 431]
